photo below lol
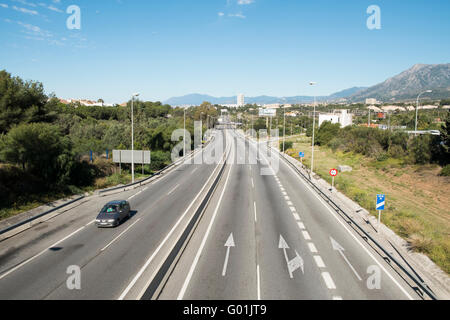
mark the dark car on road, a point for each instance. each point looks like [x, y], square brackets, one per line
[113, 213]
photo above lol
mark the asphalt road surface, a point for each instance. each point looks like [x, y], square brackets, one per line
[271, 237]
[33, 264]
[265, 234]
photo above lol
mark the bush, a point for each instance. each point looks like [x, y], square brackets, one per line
[445, 171]
[38, 148]
[287, 145]
[160, 159]
[326, 133]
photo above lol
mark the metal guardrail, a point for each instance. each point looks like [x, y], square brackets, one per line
[154, 174]
[422, 285]
[17, 225]
[159, 280]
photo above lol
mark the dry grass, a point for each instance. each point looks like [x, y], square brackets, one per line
[418, 202]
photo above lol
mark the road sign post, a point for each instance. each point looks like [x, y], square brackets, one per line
[333, 173]
[381, 202]
[301, 156]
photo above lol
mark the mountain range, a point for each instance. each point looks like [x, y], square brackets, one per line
[405, 86]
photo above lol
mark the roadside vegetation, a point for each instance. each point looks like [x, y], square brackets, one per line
[45, 145]
[411, 171]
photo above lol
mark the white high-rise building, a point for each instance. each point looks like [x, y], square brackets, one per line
[240, 100]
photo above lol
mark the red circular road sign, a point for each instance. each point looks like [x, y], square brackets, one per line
[333, 172]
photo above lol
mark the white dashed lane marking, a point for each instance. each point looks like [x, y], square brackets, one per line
[328, 280]
[319, 261]
[306, 235]
[312, 247]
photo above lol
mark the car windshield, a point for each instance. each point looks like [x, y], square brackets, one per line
[113, 208]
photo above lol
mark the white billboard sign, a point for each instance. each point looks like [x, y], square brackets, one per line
[267, 112]
[124, 156]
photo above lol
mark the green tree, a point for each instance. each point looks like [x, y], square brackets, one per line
[39, 148]
[20, 101]
[327, 132]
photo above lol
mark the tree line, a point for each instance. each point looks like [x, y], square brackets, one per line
[45, 142]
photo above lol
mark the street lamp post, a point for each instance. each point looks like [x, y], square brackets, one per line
[314, 129]
[184, 134]
[132, 136]
[284, 124]
[417, 108]
[284, 127]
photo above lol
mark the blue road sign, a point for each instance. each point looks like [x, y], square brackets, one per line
[381, 201]
[301, 154]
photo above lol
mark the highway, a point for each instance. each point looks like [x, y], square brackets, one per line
[285, 244]
[261, 237]
[33, 264]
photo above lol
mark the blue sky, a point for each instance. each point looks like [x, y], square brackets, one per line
[165, 48]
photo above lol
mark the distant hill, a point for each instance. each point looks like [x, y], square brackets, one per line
[408, 84]
[405, 86]
[197, 99]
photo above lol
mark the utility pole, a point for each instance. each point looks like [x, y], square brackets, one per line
[184, 133]
[417, 109]
[314, 128]
[132, 136]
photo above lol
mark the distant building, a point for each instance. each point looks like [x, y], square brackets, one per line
[342, 117]
[376, 109]
[393, 108]
[88, 103]
[272, 106]
[372, 101]
[240, 100]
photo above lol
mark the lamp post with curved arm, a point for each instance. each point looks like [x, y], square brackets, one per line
[417, 108]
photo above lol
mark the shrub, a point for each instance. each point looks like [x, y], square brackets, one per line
[445, 171]
[287, 145]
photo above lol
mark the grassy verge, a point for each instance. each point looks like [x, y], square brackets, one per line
[418, 205]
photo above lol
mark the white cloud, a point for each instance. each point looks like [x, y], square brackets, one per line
[244, 2]
[3, 5]
[237, 15]
[23, 10]
[221, 14]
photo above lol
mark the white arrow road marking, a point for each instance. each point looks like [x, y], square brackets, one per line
[295, 263]
[338, 247]
[230, 243]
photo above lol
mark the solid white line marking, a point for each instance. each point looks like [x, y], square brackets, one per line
[254, 206]
[337, 298]
[319, 261]
[306, 235]
[301, 225]
[258, 282]
[296, 216]
[173, 189]
[114, 240]
[330, 211]
[293, 209]
[200, 249]
[194, 170]
[312, 247]
[87, 224]
[42, 252]
[253, 185]
[141, 271]
[328, 280]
